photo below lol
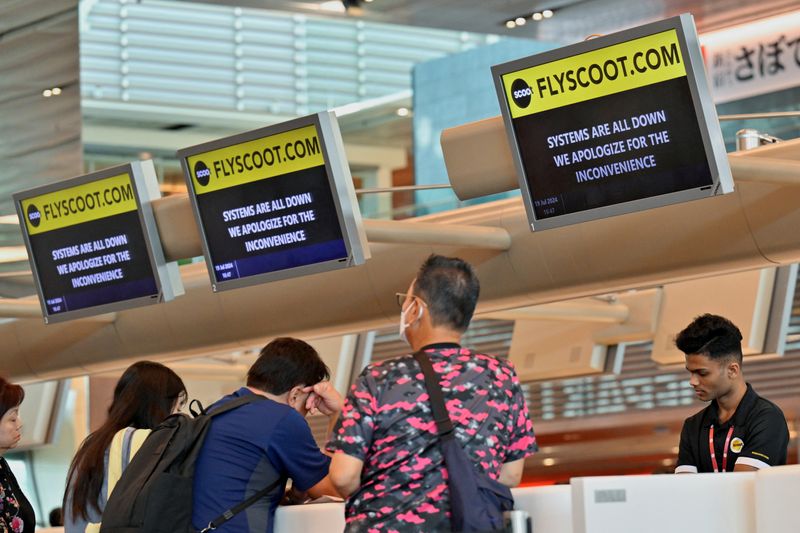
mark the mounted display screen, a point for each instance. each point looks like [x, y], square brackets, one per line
[613, 125]
[91, 243]
[275, 203]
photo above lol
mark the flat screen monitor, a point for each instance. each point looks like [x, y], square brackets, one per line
[275, 203]
[93, 243]
[613, 125]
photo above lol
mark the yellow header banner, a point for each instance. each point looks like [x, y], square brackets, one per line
[82, 203]
[610, 70]
[267, 157]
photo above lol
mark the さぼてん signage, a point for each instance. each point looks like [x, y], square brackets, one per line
[755, 58]
[275, 203]
[613, 125]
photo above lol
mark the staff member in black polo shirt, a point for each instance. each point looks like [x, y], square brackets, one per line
[739, 430]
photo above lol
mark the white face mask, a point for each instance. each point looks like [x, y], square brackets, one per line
[404, 326]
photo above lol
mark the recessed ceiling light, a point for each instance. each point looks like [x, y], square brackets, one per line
[335, 6]
[511, 24]
[56, 91]
[47, 93]
[402, 111]
[537, 16]
[549, 461]
[547, 13]
[520, 21]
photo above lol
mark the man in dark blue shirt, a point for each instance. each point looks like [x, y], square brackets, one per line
[252, 446]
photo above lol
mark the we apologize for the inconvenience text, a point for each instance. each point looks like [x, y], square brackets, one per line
[89, 245]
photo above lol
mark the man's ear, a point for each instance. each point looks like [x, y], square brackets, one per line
[294, 395]
[734, 369]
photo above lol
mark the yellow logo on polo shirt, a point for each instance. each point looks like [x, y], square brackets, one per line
[736, 445]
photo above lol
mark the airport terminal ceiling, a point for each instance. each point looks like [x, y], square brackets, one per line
[572, 21]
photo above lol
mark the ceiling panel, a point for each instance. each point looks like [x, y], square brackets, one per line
[40, 140]
[573, 20]
[19, 14]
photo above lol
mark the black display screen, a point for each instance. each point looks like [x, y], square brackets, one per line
[613, 149]
[611, 127]
[88, 246]
[266, 205]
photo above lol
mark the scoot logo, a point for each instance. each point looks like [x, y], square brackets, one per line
[34, 215]
[736, 445]
[521, 93]
[201, 173]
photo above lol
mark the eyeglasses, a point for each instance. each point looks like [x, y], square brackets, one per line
[401, 299]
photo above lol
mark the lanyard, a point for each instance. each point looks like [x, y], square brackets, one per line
[724, 453]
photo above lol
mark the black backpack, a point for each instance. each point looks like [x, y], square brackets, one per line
[154, 493]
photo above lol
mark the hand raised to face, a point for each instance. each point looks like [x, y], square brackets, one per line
[323, 398]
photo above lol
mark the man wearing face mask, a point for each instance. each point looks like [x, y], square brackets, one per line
[739, 430]
[387, 458]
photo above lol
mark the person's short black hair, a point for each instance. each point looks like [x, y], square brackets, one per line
[56, 517]
[450, 288]
[285, 363]
[713, 336]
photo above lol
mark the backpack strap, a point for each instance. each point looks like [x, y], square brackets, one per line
[124, 445]
[444, 425]
[196, 408]
[233, 404]
[238, 508]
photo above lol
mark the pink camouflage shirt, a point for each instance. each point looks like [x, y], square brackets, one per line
[387, 423]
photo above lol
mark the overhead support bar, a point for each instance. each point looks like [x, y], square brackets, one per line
[764, 169]
[401, 232]
[754, 116]
[404, 188]
[478, 159]
[177, 227]
[582, 311]
[20, 308]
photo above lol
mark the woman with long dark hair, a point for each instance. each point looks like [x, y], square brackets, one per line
[144, 396]
[16, 513]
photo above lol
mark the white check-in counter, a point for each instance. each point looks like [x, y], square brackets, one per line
[550, 509]
[708, 503]
[777, 497]
[321, 517]
[757, 502]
